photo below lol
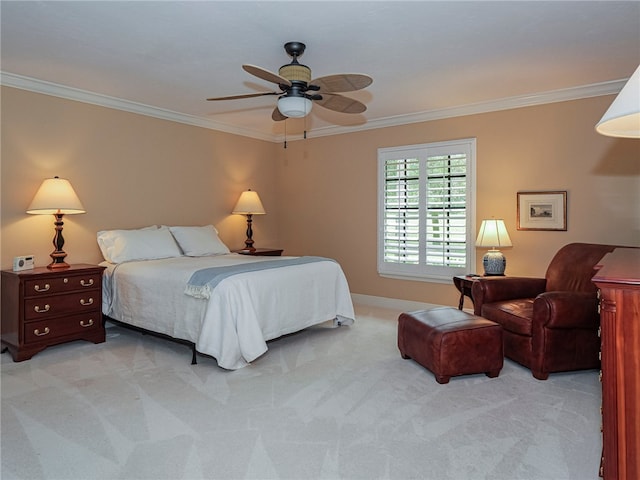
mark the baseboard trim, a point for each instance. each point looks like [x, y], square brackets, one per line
[391, 303]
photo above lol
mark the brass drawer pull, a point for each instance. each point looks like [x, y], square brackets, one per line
[86, 284]
[41, 334]
[43, 289]
[85, 302]
[85, 325]
[46, 309]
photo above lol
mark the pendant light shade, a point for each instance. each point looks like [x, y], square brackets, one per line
[622, 119]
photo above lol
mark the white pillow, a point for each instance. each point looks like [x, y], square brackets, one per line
[107, 237]
[199, 241]
[119, 246]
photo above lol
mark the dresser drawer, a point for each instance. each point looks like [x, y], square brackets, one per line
[49, 330]
[59, 284]
[51, 306]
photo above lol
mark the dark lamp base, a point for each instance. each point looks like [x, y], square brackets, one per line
[58, 265]
[58, 255]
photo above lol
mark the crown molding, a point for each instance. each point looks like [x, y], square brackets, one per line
[70, 93]
[562, 95]
[575, 93]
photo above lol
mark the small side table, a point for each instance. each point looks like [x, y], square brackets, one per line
[262, 252]
[464, 283]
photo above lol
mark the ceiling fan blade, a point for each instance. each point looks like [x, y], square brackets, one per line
[343, 82]
[339, 103]
[277, 116]
[266, 75]
[246, 95]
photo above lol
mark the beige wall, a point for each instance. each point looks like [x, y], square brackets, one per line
[329, 188]
[128, 170]
[320, 193]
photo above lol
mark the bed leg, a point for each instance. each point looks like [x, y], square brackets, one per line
[193, 355]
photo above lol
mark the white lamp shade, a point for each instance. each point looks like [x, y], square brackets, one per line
[622, 119]
[56, 195]
[294, 107]
[492, 234]
[249, 204]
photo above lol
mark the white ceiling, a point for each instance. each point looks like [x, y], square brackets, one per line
[428, 59]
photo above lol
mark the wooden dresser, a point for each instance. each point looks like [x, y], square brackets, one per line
[618, 279]
[43, 307]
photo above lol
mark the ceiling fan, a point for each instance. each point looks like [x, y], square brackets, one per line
[298, 92]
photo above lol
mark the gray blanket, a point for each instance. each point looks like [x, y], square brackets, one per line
[203, 281]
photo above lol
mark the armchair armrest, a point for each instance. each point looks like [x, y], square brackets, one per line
[497, 289]
[566, 310]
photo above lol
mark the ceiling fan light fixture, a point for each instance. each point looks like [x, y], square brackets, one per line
[294, 107]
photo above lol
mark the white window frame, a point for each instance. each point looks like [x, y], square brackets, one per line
[421, 270]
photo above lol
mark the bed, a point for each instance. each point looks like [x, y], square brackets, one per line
[240, 302]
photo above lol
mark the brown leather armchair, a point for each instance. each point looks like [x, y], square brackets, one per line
[549, 324]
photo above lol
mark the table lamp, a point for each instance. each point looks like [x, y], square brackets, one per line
[56, 197]
[249, 204]
[493, 234]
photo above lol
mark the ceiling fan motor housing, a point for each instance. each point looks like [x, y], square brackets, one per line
[295, 72]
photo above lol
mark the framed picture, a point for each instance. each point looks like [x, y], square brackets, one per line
[542, 210]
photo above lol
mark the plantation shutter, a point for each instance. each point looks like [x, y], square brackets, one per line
[401, 212]
[425, 210]
[446, 210]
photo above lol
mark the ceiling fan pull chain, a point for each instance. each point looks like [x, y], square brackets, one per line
[285, 134]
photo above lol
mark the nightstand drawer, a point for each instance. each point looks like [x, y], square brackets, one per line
[49, 330]
[45, 307]
[54, 285]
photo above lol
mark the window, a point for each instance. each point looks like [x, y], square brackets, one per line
[426, 211]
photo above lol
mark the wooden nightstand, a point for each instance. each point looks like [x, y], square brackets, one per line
[43, 307]
[264, 252]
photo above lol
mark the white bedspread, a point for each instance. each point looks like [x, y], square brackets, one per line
[244, 311]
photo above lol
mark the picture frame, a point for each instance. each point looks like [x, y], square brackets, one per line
[542, 210]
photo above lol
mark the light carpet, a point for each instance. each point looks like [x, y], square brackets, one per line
[320, 404]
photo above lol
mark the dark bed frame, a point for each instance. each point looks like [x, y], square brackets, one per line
[144, 331]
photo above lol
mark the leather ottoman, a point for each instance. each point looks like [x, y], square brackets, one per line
[451, 342]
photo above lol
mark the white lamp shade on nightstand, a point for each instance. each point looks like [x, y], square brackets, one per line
[493, 233]
[249, 204]
[56, 195]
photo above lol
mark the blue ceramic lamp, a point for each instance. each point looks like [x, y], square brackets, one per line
[493, 235]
